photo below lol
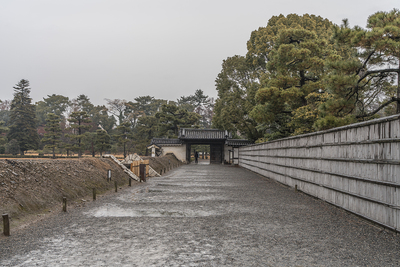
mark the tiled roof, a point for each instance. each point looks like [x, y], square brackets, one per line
[203, 134]
[185, 135]
[165, 141]
[238, 142]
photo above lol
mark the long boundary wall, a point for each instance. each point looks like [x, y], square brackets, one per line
[356, 167]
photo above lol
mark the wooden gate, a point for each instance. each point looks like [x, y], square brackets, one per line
[135, 167]
[216, 153]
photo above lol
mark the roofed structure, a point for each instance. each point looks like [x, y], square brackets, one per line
[213, 134]
[220, 143]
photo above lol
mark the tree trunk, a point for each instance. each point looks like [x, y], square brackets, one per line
[93, 154]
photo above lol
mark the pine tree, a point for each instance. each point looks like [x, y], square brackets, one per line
[103, 140]
[369, 82]
[23, 119]
[53, 132]
[293, 50]
[124, 135]
[79, 124]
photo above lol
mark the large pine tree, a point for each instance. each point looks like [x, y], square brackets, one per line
[53, 132]
[103, 141]
[22, 118]
[79, 123]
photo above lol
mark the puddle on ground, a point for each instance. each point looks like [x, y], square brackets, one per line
[171, 197]
[167, 185]
[116, 211]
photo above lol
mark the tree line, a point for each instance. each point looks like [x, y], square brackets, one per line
[300, 74]
[57, 124]
[303, 74]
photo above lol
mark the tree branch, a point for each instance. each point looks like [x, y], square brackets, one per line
[377, 71]
[393, 99]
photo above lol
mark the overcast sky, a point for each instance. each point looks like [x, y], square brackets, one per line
[128, 48]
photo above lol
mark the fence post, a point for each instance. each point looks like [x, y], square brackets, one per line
[108, 175]
[130, 181]
[116, 186]
[94, 193]
[143, 172]
[6, 225]
[64, 204]
[295, 188]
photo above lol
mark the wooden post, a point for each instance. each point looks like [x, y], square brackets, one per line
[116, 186]
[142, 172]
[130, 181]
[295, 188]
[108, 175]
[64, 204]
[6, 225]
[94, 193]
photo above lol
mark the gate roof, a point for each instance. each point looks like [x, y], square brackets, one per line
[201, 136]
[204, 134]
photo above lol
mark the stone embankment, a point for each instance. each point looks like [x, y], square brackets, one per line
[37, 186]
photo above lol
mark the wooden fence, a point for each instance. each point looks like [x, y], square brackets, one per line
[135, 167]
[355, 167]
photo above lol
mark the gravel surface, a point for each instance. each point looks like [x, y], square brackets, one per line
[203, 215]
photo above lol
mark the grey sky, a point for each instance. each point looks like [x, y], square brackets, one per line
[128, 48]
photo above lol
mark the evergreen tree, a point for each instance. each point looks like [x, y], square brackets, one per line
[124, 135]
[3, 131]
[296, 50]
[103, 141]
[200, 104]
[172, 118]
[236, 85]
[5, 106]
[53, 132]
[12, 147]
[367, 82]
[79, 124]
[23, 119]
[3, 138]
[56, 104]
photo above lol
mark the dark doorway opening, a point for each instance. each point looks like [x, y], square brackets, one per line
[203, 152]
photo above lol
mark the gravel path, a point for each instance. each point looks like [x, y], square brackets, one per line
[203, 215]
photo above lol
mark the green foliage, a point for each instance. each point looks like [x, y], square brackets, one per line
[53, 132]
[82, 103]
[103, 141]
[79, 124]
[172, 118]
[236, 85]
[200, 104]
[294, 52]
[56, 104]
[331, 121]
[23, 119]
[124, 135]
[3, 131]
[12, 147]
[364, 83]
[99, 118]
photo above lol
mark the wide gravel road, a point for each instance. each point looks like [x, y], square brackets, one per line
[203, 215]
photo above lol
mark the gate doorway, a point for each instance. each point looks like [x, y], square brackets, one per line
[203, 153]
[212, 144]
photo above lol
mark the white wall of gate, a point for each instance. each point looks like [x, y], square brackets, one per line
[356, 167]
